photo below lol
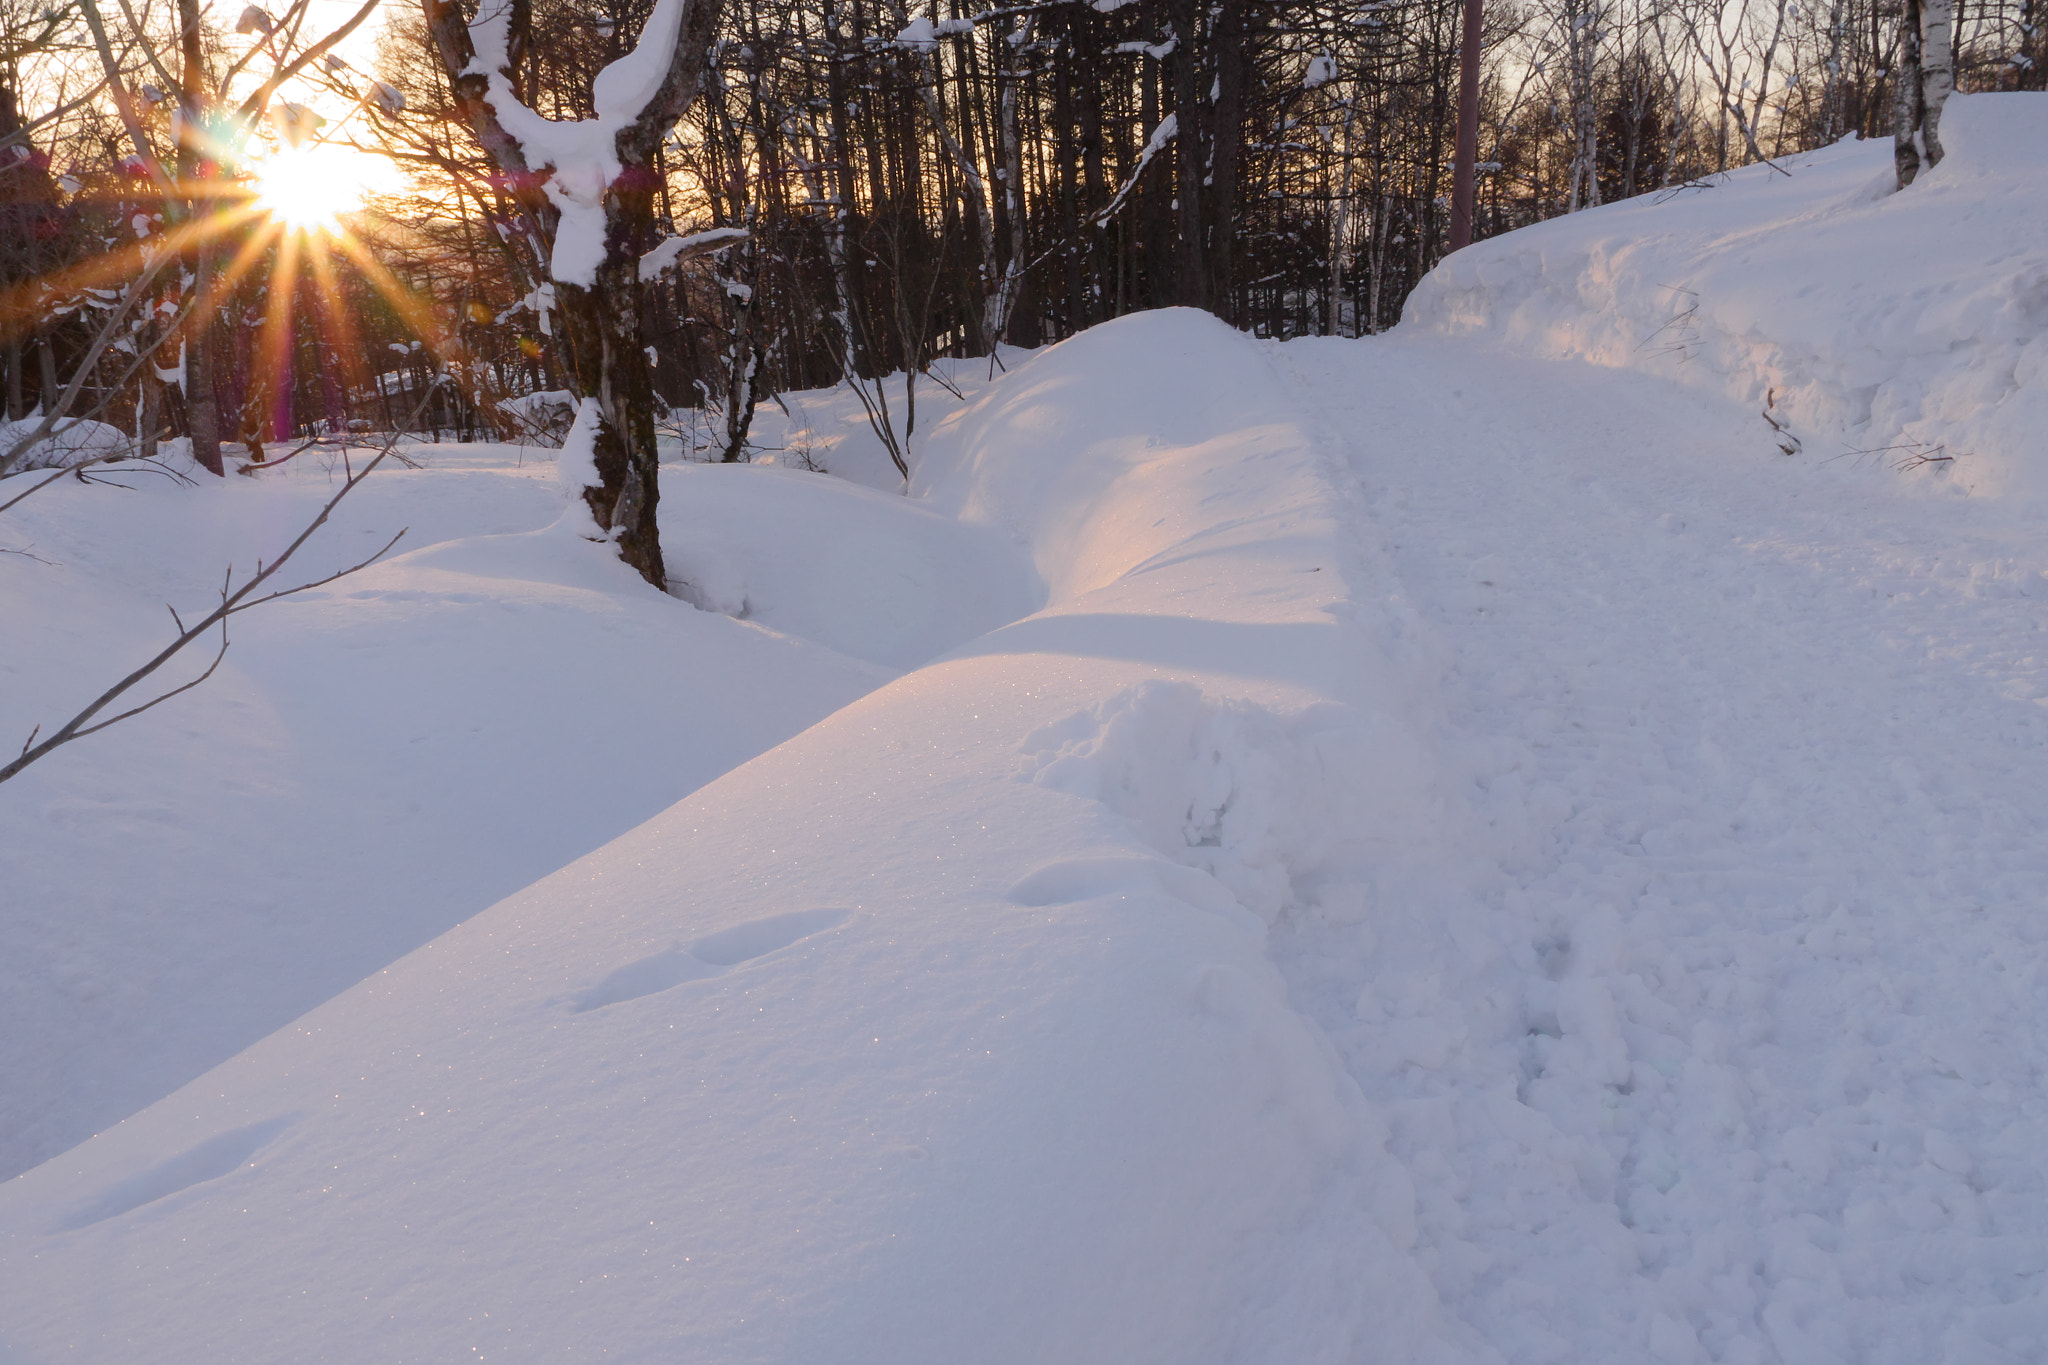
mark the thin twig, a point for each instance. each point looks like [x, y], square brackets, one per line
[86, 366]
[1682, 319]
[255, 465]
[59, 473]
[138, 465]
[232, 601]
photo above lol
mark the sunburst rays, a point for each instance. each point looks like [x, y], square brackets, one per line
[265, 225]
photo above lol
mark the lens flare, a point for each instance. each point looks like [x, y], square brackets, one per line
[309, 188]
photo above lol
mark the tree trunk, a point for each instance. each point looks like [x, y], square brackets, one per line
[1191, 266]
[202, 414]
[846, 271]
[601, 307]
[743, 356]
[1907, 96]
[1937, 72]
[1225, 139]
[601, 335]
[146, 418]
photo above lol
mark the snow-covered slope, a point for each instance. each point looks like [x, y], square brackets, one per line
[1875, 325]
[873, 575]
[1475, 857]
[379, 759]
[830, 430]
[944, 1031]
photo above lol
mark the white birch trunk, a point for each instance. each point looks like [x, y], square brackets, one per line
[1907, 94]
[1937, 71]
[997, 321]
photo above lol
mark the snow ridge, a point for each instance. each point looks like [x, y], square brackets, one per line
[1906, 329]
[871, 1051]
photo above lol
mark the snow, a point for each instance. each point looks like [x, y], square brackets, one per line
[582, 153]
[1900, 323]
[1740, 958]
[1168, 129]
[1444, 848]
[829, 430]
[539, 414]
[865, 992]
[628, 85]
[671, 250]
[70, 442]
[918, 35]
[376, 760]
[576, 462]
[877, 577]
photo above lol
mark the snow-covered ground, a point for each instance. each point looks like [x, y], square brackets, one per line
[1449, 847]
[380, 759]
[1874, 327]
[1720, 1036]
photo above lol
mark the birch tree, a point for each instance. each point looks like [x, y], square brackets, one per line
[1923, 80]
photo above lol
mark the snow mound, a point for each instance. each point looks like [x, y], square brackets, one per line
[872, 575]
[1266, 804]
[70, 443]
[1900, 327]
[543, 416]
[829, 431]
[376, 760]
[869, 1051]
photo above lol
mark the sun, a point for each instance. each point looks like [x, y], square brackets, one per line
[309, 188]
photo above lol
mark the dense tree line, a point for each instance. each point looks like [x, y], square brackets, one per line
[860, 186]
[938, 178]
[646, 208]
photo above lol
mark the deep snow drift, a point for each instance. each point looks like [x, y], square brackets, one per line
[847, 1056]
[1897, 324]
[380, 759]
[1474, 856]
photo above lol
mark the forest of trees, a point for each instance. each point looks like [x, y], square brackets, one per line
[851, 189]
[657, 214]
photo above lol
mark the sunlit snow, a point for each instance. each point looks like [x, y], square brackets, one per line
[1445, 847]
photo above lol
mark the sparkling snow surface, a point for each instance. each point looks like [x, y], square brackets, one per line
[1421, 849]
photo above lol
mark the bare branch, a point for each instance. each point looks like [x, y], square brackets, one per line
[253, 106]
[86, 366]
[60, 473]
[218, 655]
[233, 601]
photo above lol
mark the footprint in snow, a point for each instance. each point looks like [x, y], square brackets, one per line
[708, 956]
[219, 1155]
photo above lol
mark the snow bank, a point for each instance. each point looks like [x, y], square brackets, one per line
[381, 758]
[828, 429]
[71, 442]
[945, 1031]
[872, 575]
[1903, 324]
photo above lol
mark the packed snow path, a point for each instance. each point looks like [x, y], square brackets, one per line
[1715, 1031]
